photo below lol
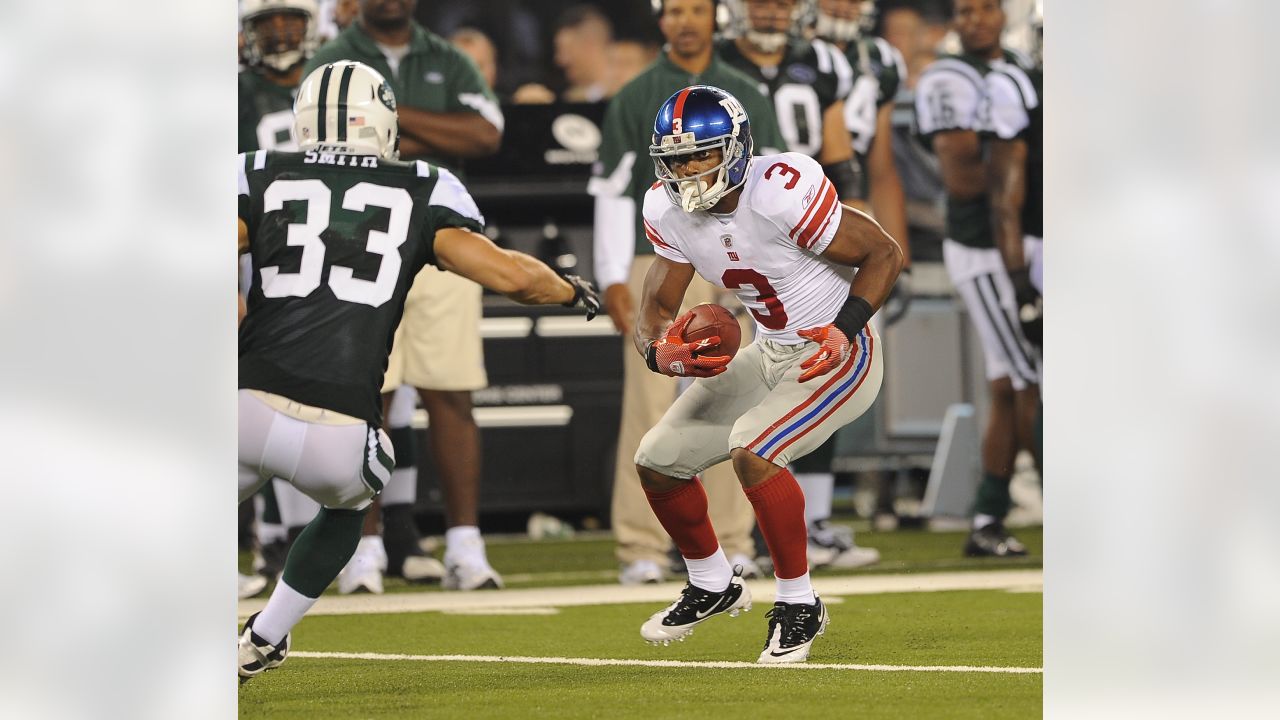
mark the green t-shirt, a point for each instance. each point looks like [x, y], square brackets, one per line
[433, 76]
[624, 168]
[266, 114]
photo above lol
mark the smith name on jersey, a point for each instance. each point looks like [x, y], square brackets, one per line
[765, 250]
[336, 239]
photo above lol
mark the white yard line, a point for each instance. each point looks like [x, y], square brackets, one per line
[761, 590]
[600, 662]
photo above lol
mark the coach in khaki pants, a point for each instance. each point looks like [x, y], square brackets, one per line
[645, 398]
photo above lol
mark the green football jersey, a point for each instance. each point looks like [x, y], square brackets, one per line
[878, 69]
[266, 114]
[433, 75]
[812, 77]
[624, 168]
[1017, 112]
[952, 94]
[336, 240]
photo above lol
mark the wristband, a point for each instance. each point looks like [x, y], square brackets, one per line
[853, 315]
[651, 357]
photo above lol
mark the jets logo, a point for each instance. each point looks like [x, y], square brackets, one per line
[387, 97]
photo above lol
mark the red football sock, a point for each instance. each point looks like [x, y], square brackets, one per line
[779, 506]
[683, 513]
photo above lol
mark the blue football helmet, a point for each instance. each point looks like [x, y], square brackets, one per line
[697, 119]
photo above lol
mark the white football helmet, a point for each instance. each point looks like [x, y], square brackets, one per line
[770, 40]
[349, 106]
[844, 21]
[280, 59]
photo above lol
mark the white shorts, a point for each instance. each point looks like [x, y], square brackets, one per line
[979, 277]
[336, 460]
[758, 404]
[438, 345]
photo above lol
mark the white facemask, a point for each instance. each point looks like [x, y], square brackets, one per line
[831, 27]
[767, 42]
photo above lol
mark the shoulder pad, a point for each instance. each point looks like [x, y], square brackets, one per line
[794, 193]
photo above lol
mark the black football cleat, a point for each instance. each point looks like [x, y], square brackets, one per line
[792, 630]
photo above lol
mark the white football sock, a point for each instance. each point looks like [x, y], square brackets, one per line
[818, 489]
[710, 573]
[980, 521]
[795, 590]
[285, 608]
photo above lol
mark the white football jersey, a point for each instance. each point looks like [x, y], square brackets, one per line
[768, 250]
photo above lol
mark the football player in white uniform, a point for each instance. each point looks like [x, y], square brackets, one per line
[771, 229]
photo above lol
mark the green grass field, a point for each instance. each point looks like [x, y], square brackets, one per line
[981, 628]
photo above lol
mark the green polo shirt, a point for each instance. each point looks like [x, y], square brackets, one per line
[628, 128]
[434, 75]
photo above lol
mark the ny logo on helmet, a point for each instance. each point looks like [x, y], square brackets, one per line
[736, 113]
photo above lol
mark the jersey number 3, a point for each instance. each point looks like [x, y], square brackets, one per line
[306, 235]
[774, 316]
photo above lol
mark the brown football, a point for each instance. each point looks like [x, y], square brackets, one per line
[711, 320]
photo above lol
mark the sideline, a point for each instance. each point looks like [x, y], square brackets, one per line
[1020, 580]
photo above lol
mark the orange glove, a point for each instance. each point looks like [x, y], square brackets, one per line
[834, 349]
[671, 355]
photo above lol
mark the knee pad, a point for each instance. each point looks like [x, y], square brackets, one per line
[350, 493]
[660, 451]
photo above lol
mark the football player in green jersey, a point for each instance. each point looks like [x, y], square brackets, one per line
[878, 69]
[953, 112]
[807, 81]
[280, 35]
[338, 231]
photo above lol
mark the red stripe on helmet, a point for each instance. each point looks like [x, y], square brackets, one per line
[678, 114]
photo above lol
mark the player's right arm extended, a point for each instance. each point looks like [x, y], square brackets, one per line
[520, 277]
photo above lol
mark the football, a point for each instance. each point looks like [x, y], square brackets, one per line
[711, 320]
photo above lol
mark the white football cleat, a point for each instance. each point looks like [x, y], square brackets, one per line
[641, 572]
[792, 630]
[255, 655]
[856, 557]
[422, 568]
[676, 621]
[250, 585]
[467, 568]
[750, 570]
[364, 570]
